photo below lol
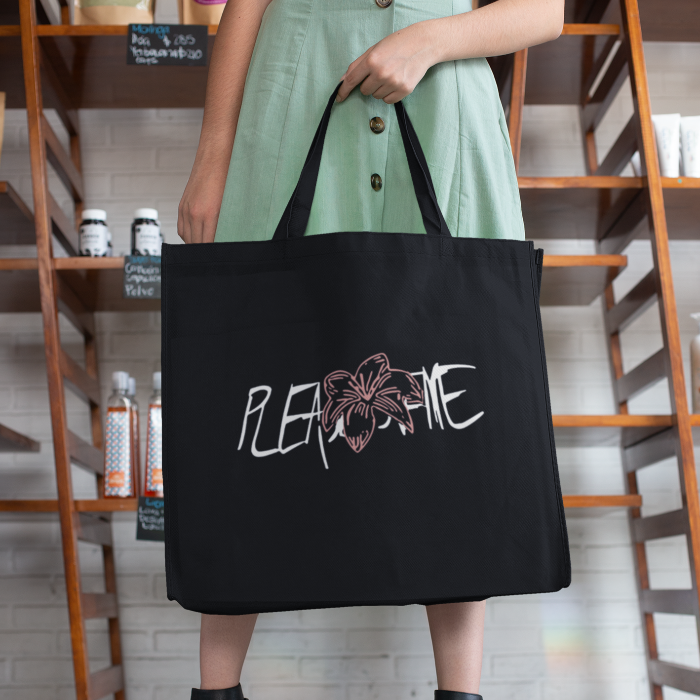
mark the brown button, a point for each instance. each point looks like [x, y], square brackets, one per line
[376, 124]
[383, 3]
[376, 182]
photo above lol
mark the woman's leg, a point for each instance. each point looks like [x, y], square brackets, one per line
[223, 644]
[457, 631]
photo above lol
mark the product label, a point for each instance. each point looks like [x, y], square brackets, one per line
[118, 481]
[154, 456]
[94, 240]
[147, 239]
[150, 519]
[167, 45]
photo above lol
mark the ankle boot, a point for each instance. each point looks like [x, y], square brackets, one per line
[235, 693]
[454, 695]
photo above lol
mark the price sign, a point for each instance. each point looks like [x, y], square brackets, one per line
[141, 277]
[150, 520]
[167, 45]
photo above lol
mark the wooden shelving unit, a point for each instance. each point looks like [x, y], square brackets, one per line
[604, 49]
[70, 68]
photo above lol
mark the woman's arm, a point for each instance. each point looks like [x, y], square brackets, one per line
[198, 212]
[392, 68]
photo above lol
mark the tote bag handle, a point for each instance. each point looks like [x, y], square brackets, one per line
[296, 215]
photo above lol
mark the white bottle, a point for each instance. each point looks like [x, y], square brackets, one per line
[119, 464]
[146, 238]
[695, 367]
[94, 237]
[154, 444]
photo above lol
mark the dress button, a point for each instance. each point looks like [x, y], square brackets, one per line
[376, 124]
[376, 182]
[383, 3]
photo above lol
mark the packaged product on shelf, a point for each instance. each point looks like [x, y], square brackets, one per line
[695, 367]
[135, 430]
[146, 238]
[119, 463]
[94, 237]
[667, 129]
[201, 11]
[154, 443]
[690, 146]
[113, 11]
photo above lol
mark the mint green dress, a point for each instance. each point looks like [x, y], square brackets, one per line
[301, 52]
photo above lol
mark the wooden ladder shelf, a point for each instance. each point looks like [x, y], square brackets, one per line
[606, 65]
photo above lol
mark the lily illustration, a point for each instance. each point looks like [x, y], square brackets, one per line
[374, 387]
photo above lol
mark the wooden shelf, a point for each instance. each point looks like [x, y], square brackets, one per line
[93, 505]
[12, 441]
[16, 219]
[573, 207]
[607, 430]
[112, 505]
[566, 280]
[91, 63]
[576, 280]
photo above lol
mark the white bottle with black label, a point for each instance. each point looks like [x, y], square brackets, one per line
[146, 238]
[95, 239]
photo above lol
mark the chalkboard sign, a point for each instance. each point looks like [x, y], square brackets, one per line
[150, 521]
[142, 277]
[167, 45]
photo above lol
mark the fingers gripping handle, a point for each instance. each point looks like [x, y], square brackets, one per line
[296, 214]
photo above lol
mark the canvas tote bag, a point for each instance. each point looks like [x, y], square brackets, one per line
[357, 418]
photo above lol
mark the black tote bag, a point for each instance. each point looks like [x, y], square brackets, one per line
[357, 418]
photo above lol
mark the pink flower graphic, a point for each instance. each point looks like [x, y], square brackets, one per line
[374, 387]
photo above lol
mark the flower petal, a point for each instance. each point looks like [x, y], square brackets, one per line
[370, 373]
[403, 382]
[393, 405]
[341, 389]
[358, 424]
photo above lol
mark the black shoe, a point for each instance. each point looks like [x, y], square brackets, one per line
[454, 695]
[235, 693]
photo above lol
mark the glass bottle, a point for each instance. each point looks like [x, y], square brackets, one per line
[119, 465]
[135, 430]
[154, 442]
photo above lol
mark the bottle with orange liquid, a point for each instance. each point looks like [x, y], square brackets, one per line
[135, 430]
[154, 443]
[119, 479]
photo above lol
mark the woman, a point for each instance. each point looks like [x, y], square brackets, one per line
[274, 65]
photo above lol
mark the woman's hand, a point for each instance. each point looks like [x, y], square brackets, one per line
[393, 67]
[198, 212]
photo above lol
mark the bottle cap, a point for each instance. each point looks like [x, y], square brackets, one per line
[157, 381]
[120, 381]
[94, 214]
[146, 214]
[132, 387]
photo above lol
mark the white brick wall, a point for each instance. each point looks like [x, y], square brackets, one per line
[582, 642]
